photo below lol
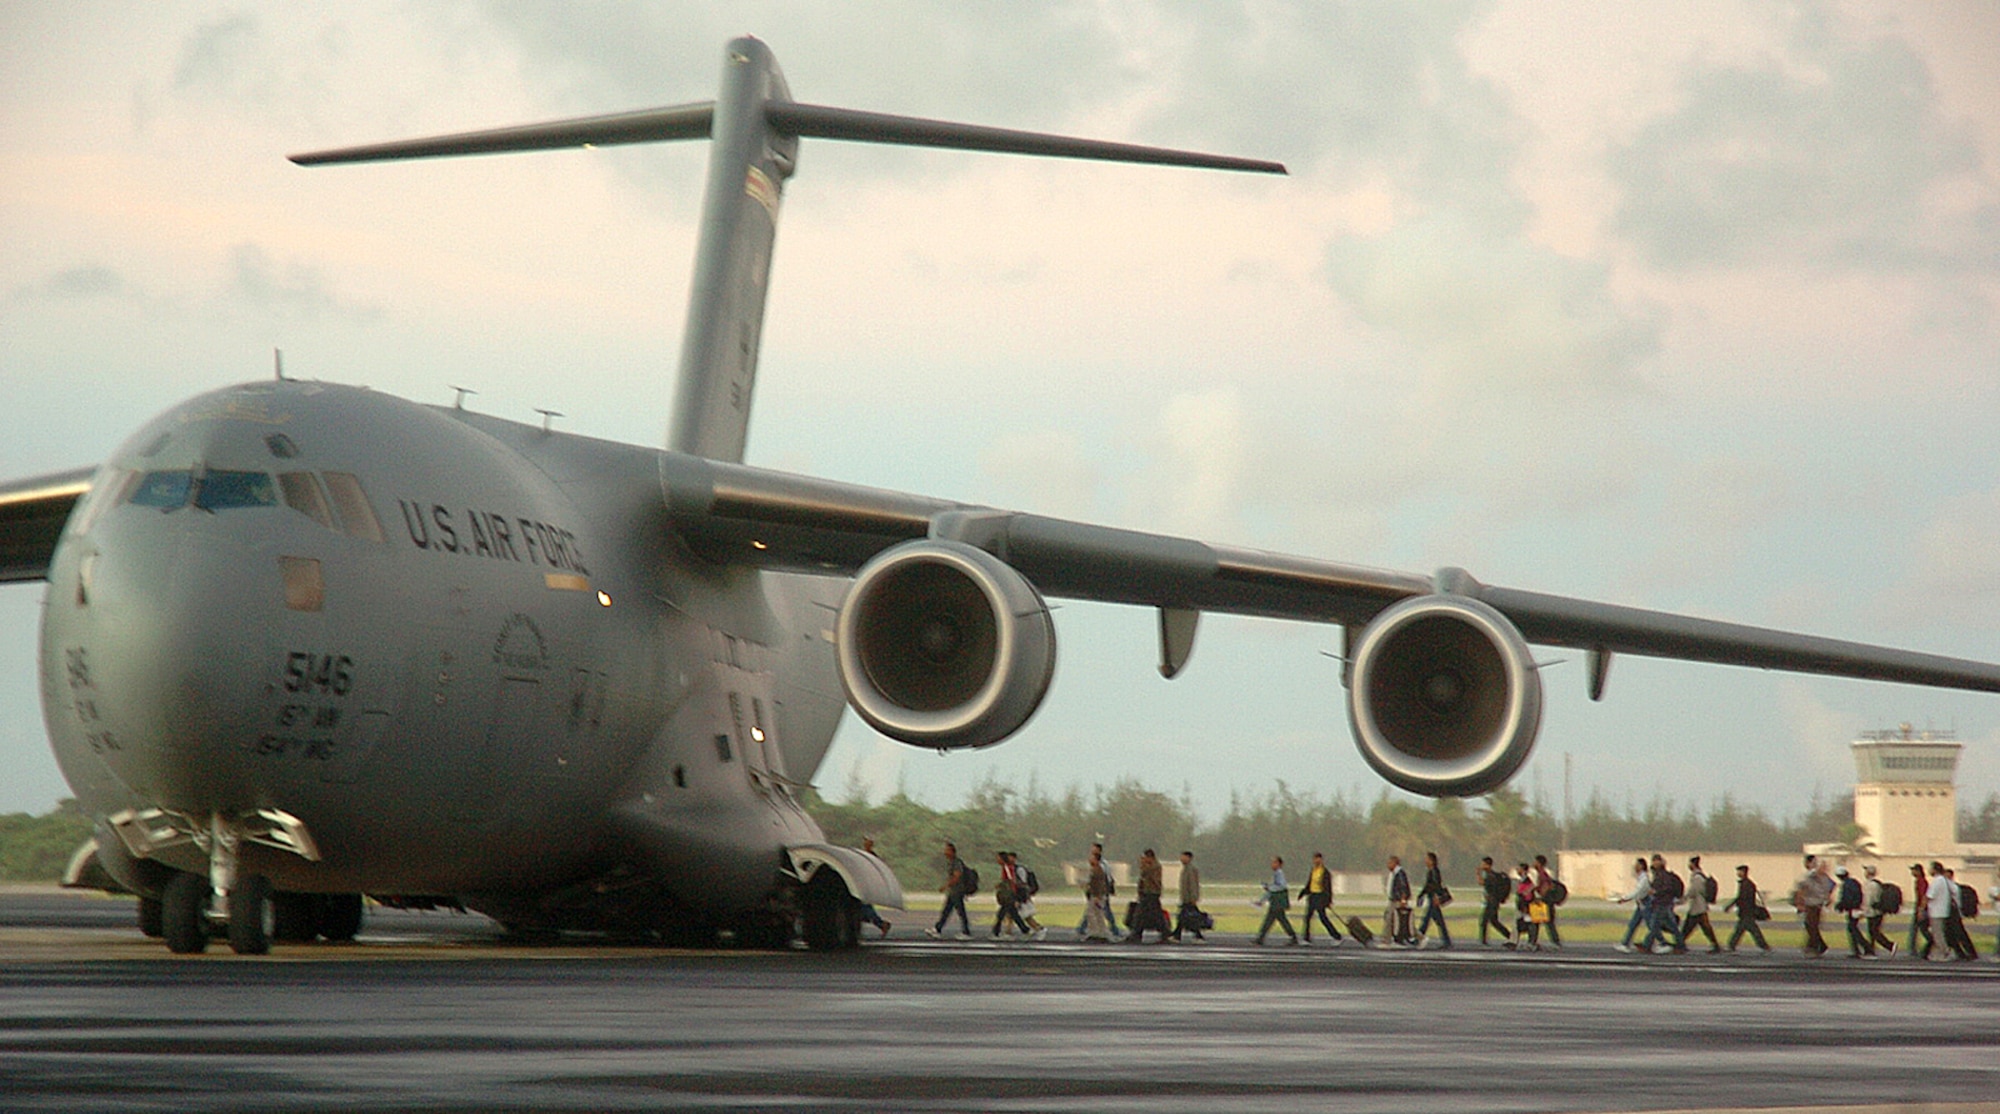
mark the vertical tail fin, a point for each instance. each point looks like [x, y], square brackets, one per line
[748, 162]
[755, 127]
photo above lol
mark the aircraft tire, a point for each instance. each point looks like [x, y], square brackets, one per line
[150, 917]
[828, 915]
[250, 915]
[340, 917]
[296, 918]
[184, 914]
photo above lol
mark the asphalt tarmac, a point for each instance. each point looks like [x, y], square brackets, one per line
[429, 1012]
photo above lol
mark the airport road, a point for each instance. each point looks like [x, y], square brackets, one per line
[429, 1013]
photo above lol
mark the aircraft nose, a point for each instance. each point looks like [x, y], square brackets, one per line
[170, 651]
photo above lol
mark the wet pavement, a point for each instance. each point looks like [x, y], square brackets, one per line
[428, 1012]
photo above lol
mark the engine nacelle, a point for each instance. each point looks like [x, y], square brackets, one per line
[944, 645]
[1443, 696]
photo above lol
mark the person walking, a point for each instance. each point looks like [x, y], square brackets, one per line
[1398, 912]
[1811, 896]
[1851, 901]
[1149, 915]
[954, 896]
[1873, 900]
[1747, 907]
[1318, 896]
[1701, 889]
[1668, 889]
[1526, 928]
[1277, 897]
[1435, 897]
[1190, 919]
[1920, 914]
[1641, 899]
[1956, 936]
[1008, 894]
[1097, 890]
[1494, 889]
[1551, 893]
[1083, 922]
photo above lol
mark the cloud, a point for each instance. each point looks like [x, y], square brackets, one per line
[1836, 155]
[287, 288]
[78, 284]
[1488, 312]
[1954, 569]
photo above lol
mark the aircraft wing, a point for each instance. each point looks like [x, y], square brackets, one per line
[739, 514]
[32, 514]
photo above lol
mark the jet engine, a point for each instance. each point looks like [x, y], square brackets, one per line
[1443, 697]
[944, 645]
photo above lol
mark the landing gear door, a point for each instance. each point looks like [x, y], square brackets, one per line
[753, 725]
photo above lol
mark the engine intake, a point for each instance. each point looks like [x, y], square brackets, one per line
[1444, 697]
[944, 645]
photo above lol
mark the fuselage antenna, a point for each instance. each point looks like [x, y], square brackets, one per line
[459, 402]
[278, 363]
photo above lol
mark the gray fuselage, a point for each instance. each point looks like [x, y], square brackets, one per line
[469, 655]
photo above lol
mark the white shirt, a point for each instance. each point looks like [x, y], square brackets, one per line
[1942, 897]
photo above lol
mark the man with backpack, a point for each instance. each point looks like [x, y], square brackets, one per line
[1964, 904]
[1747, 909]
[1881, 899]
[959, 880]
[1668, 889]
[1701, 892]
[1852, 903]
[1552, 893]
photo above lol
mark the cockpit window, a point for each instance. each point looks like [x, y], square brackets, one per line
[117, 489]
[303, 495]
[220, 491]
[162, 489]
[356, 516]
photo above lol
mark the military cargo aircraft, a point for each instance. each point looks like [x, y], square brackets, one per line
[304, 642]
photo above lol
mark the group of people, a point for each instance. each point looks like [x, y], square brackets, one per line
[1671, 909]
[1939, 907]
[1534, 892]
[1015, 887]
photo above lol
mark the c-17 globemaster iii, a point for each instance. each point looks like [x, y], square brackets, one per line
[304, 642]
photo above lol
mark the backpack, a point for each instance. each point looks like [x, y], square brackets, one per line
[1709, 888]
[1033, 884]
[1558, 893]
[968, 879]
[1676, 887]
[1891, 899]
[1968, 901]
[1497, 886]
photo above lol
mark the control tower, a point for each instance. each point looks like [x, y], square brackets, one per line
[1904, 795]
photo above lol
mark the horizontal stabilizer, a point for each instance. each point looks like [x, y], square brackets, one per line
[651, 125]
[822, 122]
[693, 121]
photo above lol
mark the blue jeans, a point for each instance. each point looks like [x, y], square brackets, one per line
[1641, 914]
[1664, 924]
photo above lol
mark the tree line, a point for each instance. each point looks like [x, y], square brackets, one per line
[1127, 817]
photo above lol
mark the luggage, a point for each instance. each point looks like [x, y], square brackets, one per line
[1359, 931]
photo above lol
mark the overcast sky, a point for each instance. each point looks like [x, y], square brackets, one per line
[1689, 306]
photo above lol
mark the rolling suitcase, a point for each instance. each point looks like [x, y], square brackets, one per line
[1359, 931]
